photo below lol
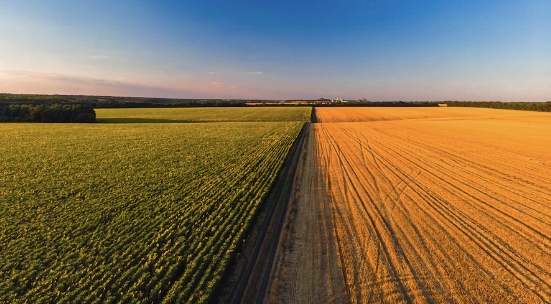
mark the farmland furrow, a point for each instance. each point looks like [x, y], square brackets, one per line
[543, 276]
[470, 196]
[426, 210]
[131, 212]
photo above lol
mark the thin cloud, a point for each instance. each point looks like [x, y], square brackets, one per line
[99, 57]
[57, 76]
[30, 82]
[221, 85]
[212, 73]
[254, 73]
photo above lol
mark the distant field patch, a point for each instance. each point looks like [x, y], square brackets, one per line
[369, 114]
[229, 114]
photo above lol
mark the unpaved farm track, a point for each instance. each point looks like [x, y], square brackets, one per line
[453, 207]
[255, 277]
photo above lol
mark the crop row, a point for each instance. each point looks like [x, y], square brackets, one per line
[129, 212]
[205, 114]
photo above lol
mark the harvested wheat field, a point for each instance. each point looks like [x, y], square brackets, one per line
[420, 205]
[368, 114]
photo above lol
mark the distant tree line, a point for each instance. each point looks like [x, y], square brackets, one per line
[47, 113]
[382, 104]
[147, 102]
[527, 106]
[118, 102]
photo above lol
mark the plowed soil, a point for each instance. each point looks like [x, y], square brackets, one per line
[420, 205]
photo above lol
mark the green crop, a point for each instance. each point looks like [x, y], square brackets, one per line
[238, 114]
[129, 212]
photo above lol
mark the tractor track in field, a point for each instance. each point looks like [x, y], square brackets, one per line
[420, 205]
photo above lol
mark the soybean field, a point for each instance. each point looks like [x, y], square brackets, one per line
[138, 211]
[204, 114]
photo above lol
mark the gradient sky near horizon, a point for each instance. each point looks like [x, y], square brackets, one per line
[279, 49]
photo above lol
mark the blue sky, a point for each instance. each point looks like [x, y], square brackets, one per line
[378, 49]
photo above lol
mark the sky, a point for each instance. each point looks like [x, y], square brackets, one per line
[279, 49]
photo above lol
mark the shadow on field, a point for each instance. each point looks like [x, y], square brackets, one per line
[160, 120]
[143, 120]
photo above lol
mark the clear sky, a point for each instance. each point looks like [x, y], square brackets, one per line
[279, 49]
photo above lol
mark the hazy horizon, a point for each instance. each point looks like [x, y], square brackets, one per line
[379, 50]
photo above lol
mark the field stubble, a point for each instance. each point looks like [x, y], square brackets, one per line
[452, 206]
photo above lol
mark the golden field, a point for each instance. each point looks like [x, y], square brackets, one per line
[420, 205]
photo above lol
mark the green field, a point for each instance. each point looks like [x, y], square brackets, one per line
[132, 212]
[236, 114]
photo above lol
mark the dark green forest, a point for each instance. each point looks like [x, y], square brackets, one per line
[47, 113]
